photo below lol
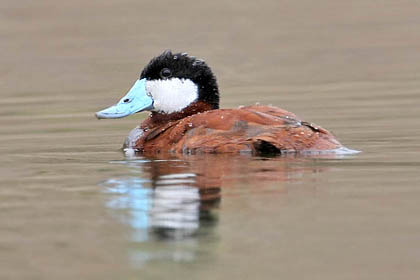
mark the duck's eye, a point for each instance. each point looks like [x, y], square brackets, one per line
[165, 73]
[126, 100]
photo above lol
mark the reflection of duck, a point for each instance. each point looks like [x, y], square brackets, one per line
[172, 205]
[176, 198]
[183, 96]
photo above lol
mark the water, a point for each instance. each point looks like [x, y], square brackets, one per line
[74, 207]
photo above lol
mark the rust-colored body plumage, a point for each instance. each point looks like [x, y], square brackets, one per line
[252, 129]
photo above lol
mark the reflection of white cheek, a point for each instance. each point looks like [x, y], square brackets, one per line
[172, 95]
[176, 207]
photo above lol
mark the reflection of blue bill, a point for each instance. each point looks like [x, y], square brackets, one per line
[172, 207]
[135, 198]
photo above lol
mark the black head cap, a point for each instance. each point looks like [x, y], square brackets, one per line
[182, 66]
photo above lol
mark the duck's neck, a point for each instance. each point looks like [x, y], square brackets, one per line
[159, 118]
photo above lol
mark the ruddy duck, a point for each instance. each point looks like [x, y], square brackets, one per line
[182, 95]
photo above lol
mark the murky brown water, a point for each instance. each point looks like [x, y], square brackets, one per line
[72, 207]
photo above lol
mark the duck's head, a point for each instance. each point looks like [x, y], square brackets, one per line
[170, 83]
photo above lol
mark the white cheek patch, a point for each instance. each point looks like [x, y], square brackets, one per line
[172, 95]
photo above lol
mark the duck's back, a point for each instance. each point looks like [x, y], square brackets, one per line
[253, 129]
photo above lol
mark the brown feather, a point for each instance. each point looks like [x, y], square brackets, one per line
[252, 129]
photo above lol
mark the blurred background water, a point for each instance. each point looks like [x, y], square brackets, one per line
[73, 207]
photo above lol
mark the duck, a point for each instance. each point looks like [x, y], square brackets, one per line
[182, 95]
